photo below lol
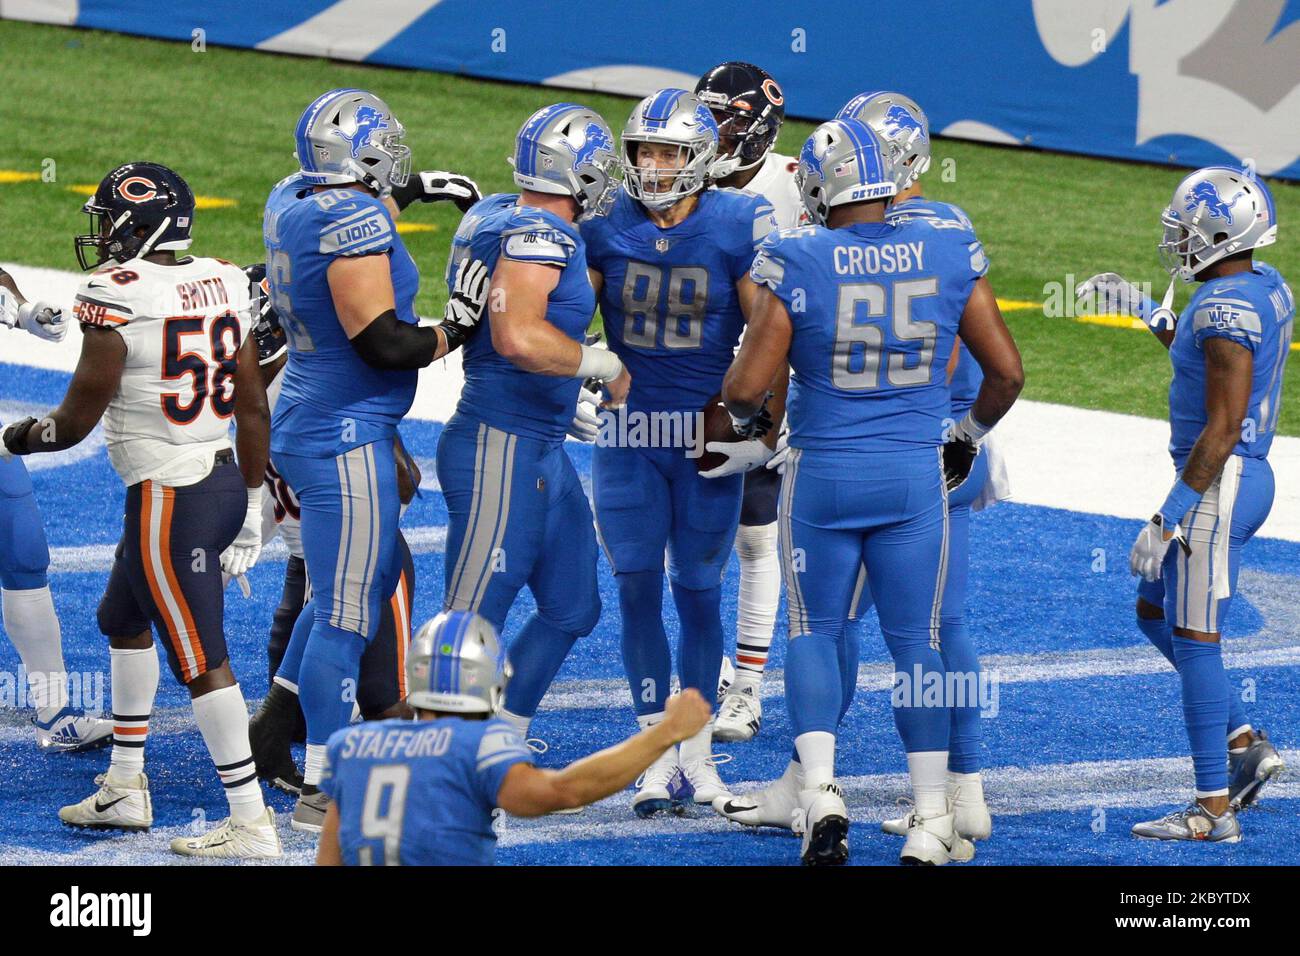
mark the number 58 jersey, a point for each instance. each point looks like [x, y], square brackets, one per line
[874, 309]
[183, 325]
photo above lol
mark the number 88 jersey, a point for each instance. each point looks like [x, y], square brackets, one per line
[669, 296]
[183, 325]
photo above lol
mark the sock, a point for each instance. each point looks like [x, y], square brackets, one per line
[517, 721]
[817, 756]
[330, 660]
[962, 666]
[929, 772]
[646, 721]
[970, 785]
[313, 765]
[133, 680]
[1161, 634]
[222, 717]
[1205, 711]
[922, 726]
[760, 592]
[848, 650]
[695, 749]
[536, 654]
[646, 657]
[699, 647]
[33, 627]
[812, 684]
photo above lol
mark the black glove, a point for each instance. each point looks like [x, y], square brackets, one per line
[958, 457]
[438, 186]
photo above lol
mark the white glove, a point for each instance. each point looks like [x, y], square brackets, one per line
[247, 546]
[438, 186]
[1149, 549]
[43, 320]
[742, 456]
[586, 423]
[1111, 293]
[777, 461]
[464, 309]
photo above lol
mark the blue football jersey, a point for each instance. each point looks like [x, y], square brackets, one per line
[1254, 309]
[331, 400]
[669, 300]
[967, 376]
[419, 793]
[497, 392]
[875, 308]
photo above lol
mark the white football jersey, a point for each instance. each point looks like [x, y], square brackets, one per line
[280, 513]
[183, 326]
[774, 181]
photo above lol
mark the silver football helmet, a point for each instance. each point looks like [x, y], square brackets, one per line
[1216, 212]
[842, 162]
[901, 125]
[351, 136]
[456, 665]
[677, 118]
[567, 149]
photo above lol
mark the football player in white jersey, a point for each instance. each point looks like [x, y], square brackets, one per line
[167, 361]
[750, 107]
[29, 617]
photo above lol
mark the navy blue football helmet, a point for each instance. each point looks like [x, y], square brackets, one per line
[138, 208]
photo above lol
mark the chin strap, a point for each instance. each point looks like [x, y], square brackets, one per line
[1164, 316]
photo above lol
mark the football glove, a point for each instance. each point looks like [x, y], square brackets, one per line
[1148, 554]
[742, 456]
[586, 423]
[41, 319]
[1110, 293]
[777, 461]
[464, 311]
[756, 426]
[960, 450]
[247, 546]
[435, 185]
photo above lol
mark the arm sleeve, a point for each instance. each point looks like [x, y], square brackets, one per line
[500, 748]
[389, 343]
[1229, 316]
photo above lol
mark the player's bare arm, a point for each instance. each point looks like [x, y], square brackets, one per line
[1229, 370]
[530, 792]
[762, 357]
[989, 341]
[252, 416]
[747, 291]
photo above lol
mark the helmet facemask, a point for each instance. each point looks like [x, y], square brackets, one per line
[751, 139]
[671, 184]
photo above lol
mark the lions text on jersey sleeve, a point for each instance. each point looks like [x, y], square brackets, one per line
[967, 376]
[497, 392]
[1257, 311]
[331, 400]
[183, 325]
[669, 297]
[875, 308]
[420, 793]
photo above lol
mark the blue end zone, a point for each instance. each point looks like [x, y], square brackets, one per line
[1083, 739]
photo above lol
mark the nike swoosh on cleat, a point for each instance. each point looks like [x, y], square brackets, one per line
[102, 807]
[730, 807]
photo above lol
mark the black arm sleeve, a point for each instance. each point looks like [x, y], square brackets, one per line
[389, 344]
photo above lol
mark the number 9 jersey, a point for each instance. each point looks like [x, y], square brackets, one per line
[183, 325]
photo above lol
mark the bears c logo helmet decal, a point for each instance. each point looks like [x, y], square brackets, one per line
[137, 189]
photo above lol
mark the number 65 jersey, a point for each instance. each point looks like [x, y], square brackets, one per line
[183, 325]
[874, 309]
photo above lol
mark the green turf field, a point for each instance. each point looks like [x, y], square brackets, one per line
[224, 119]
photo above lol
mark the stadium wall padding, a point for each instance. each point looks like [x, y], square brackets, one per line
[1188, 82]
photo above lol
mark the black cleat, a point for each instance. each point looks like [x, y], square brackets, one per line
[269, 733]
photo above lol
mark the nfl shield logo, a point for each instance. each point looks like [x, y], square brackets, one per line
[661, 245]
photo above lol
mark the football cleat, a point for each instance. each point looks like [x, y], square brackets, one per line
[773, 806]
[702, 778]
[739, 717]
[309, 811]
[235, 841]
[1193, 822]
[660, 787]
[898, 826]
[270, 731]
[1249, 771]
[70, 731]
[970, 818]
[934, 841]
[823, 821]
[113, 807]
[726, 674]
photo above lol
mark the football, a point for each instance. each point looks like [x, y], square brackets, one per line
[715, 425]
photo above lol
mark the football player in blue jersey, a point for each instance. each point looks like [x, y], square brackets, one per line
[28, 607]
[669, 263]
[517, 511]
[903, 129]
[867, 311]
[426, 792]
[344, 287]
[1228, 349]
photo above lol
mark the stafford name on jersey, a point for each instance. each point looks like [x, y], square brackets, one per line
[888, 258]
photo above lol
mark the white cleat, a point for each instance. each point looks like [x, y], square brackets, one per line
[739, 717]
[823, 821]
[655, 789]
[702, 777]
[934, 841]
[898, 826]
[773, 806]
[971, 818]
[229, 840]
[71, 732]
[113, 807]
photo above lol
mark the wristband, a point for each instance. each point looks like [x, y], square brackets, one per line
[600, 364]
[1182, 499]
[15, 436]
[971, 430]
[455, 334]
[408, 193]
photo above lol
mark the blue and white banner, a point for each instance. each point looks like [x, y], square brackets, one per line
[1190, 82]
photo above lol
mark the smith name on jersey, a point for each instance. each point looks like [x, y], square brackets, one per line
[183, 325]
[331, 401]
